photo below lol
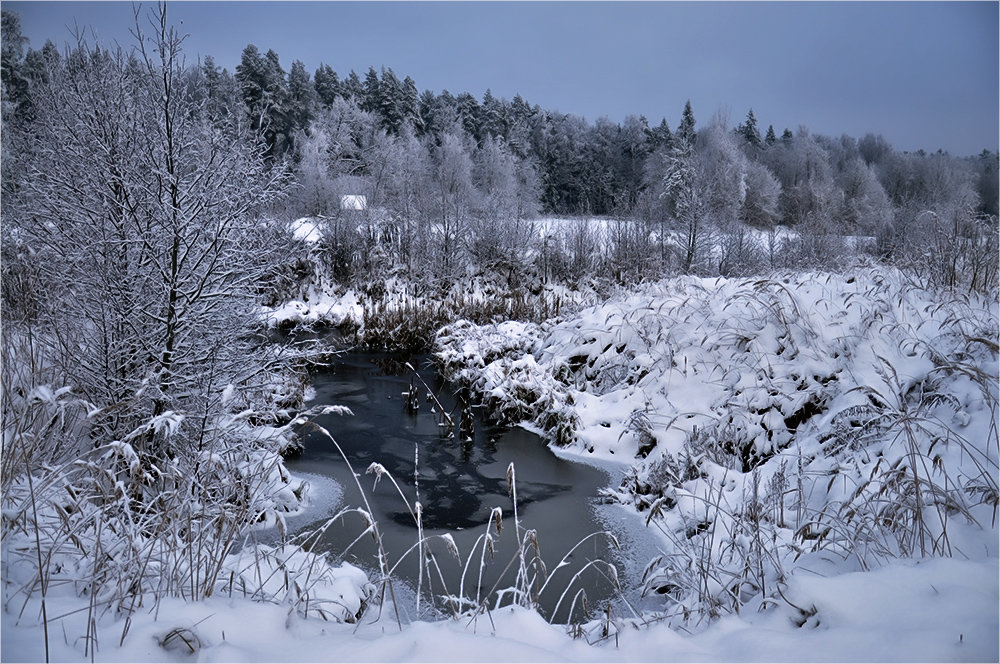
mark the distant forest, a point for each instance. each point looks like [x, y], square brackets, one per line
[463, 165]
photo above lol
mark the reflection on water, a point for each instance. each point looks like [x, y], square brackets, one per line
[457, 482]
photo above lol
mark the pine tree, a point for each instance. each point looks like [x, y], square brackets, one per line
[770, 139]
[787, 136]
[327, 84]
[470, 115]
[661, 136]
[519, 127]
[520, 109]
[427, 106]
[686, 131]
[749, 130]
[371, 97]
[15, 87]
[411, 105]
[221, 91]
[302, 96]
[445, 113]
[391, 101]
[352, 87]
[278, 108]
[250, 74]
[494, 116]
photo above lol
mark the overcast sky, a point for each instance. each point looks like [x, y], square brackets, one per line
[923, 74]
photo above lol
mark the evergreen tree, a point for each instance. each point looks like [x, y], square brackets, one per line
[15, 87]
[686, 131]
[520, 109]
[494, 116]
[770, 138]
[470, 115]
[221, 91]
[250, 74]
[352, 88]
[371, 97]
[411, 105]
[327, 84]
[519, 115]
[265, 92]
[302, 96]
[391, 101]
[748, 130]
[427, 105]
[37, 64]
[787, 136]
[661, 136]
[445, 113]
[277, 97]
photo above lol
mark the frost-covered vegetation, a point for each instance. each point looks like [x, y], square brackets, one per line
[789, 343]
[767, 420]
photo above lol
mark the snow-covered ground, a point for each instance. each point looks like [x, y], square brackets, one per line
[767, 422]
[931, 611]
[321, 309]
[772, 423]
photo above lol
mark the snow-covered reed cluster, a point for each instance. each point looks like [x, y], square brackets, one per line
[529, 575]
[167, 510]
[768, 421]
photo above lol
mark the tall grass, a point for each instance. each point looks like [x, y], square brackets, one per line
[848, 414]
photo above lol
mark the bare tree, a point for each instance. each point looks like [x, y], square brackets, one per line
[147, 220]
[454, 197]
[500, 233]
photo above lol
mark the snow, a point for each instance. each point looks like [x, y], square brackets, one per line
[835, 390]
[307, 229]
[917, 611]
[321, 309]
[818, 382]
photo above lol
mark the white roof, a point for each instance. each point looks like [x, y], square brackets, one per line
[353, 202]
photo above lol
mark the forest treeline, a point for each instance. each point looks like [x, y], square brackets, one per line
[455, 176]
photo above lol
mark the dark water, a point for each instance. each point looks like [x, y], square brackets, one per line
[458, 482]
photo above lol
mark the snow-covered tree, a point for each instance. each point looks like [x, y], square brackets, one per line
[686, 130]
[145, 220]
[684, 196]
[749, 131]
[762, 195]
[327, 84]
[500, 231]
[866, 207]
[454, 197]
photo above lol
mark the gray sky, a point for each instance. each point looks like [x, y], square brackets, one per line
[923, 74]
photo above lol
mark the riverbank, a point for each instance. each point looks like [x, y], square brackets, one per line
[816, 455]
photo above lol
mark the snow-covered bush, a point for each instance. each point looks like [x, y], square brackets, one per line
[163, 512]
[495, 364]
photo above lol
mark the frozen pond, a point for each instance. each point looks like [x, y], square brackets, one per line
[458, 482]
